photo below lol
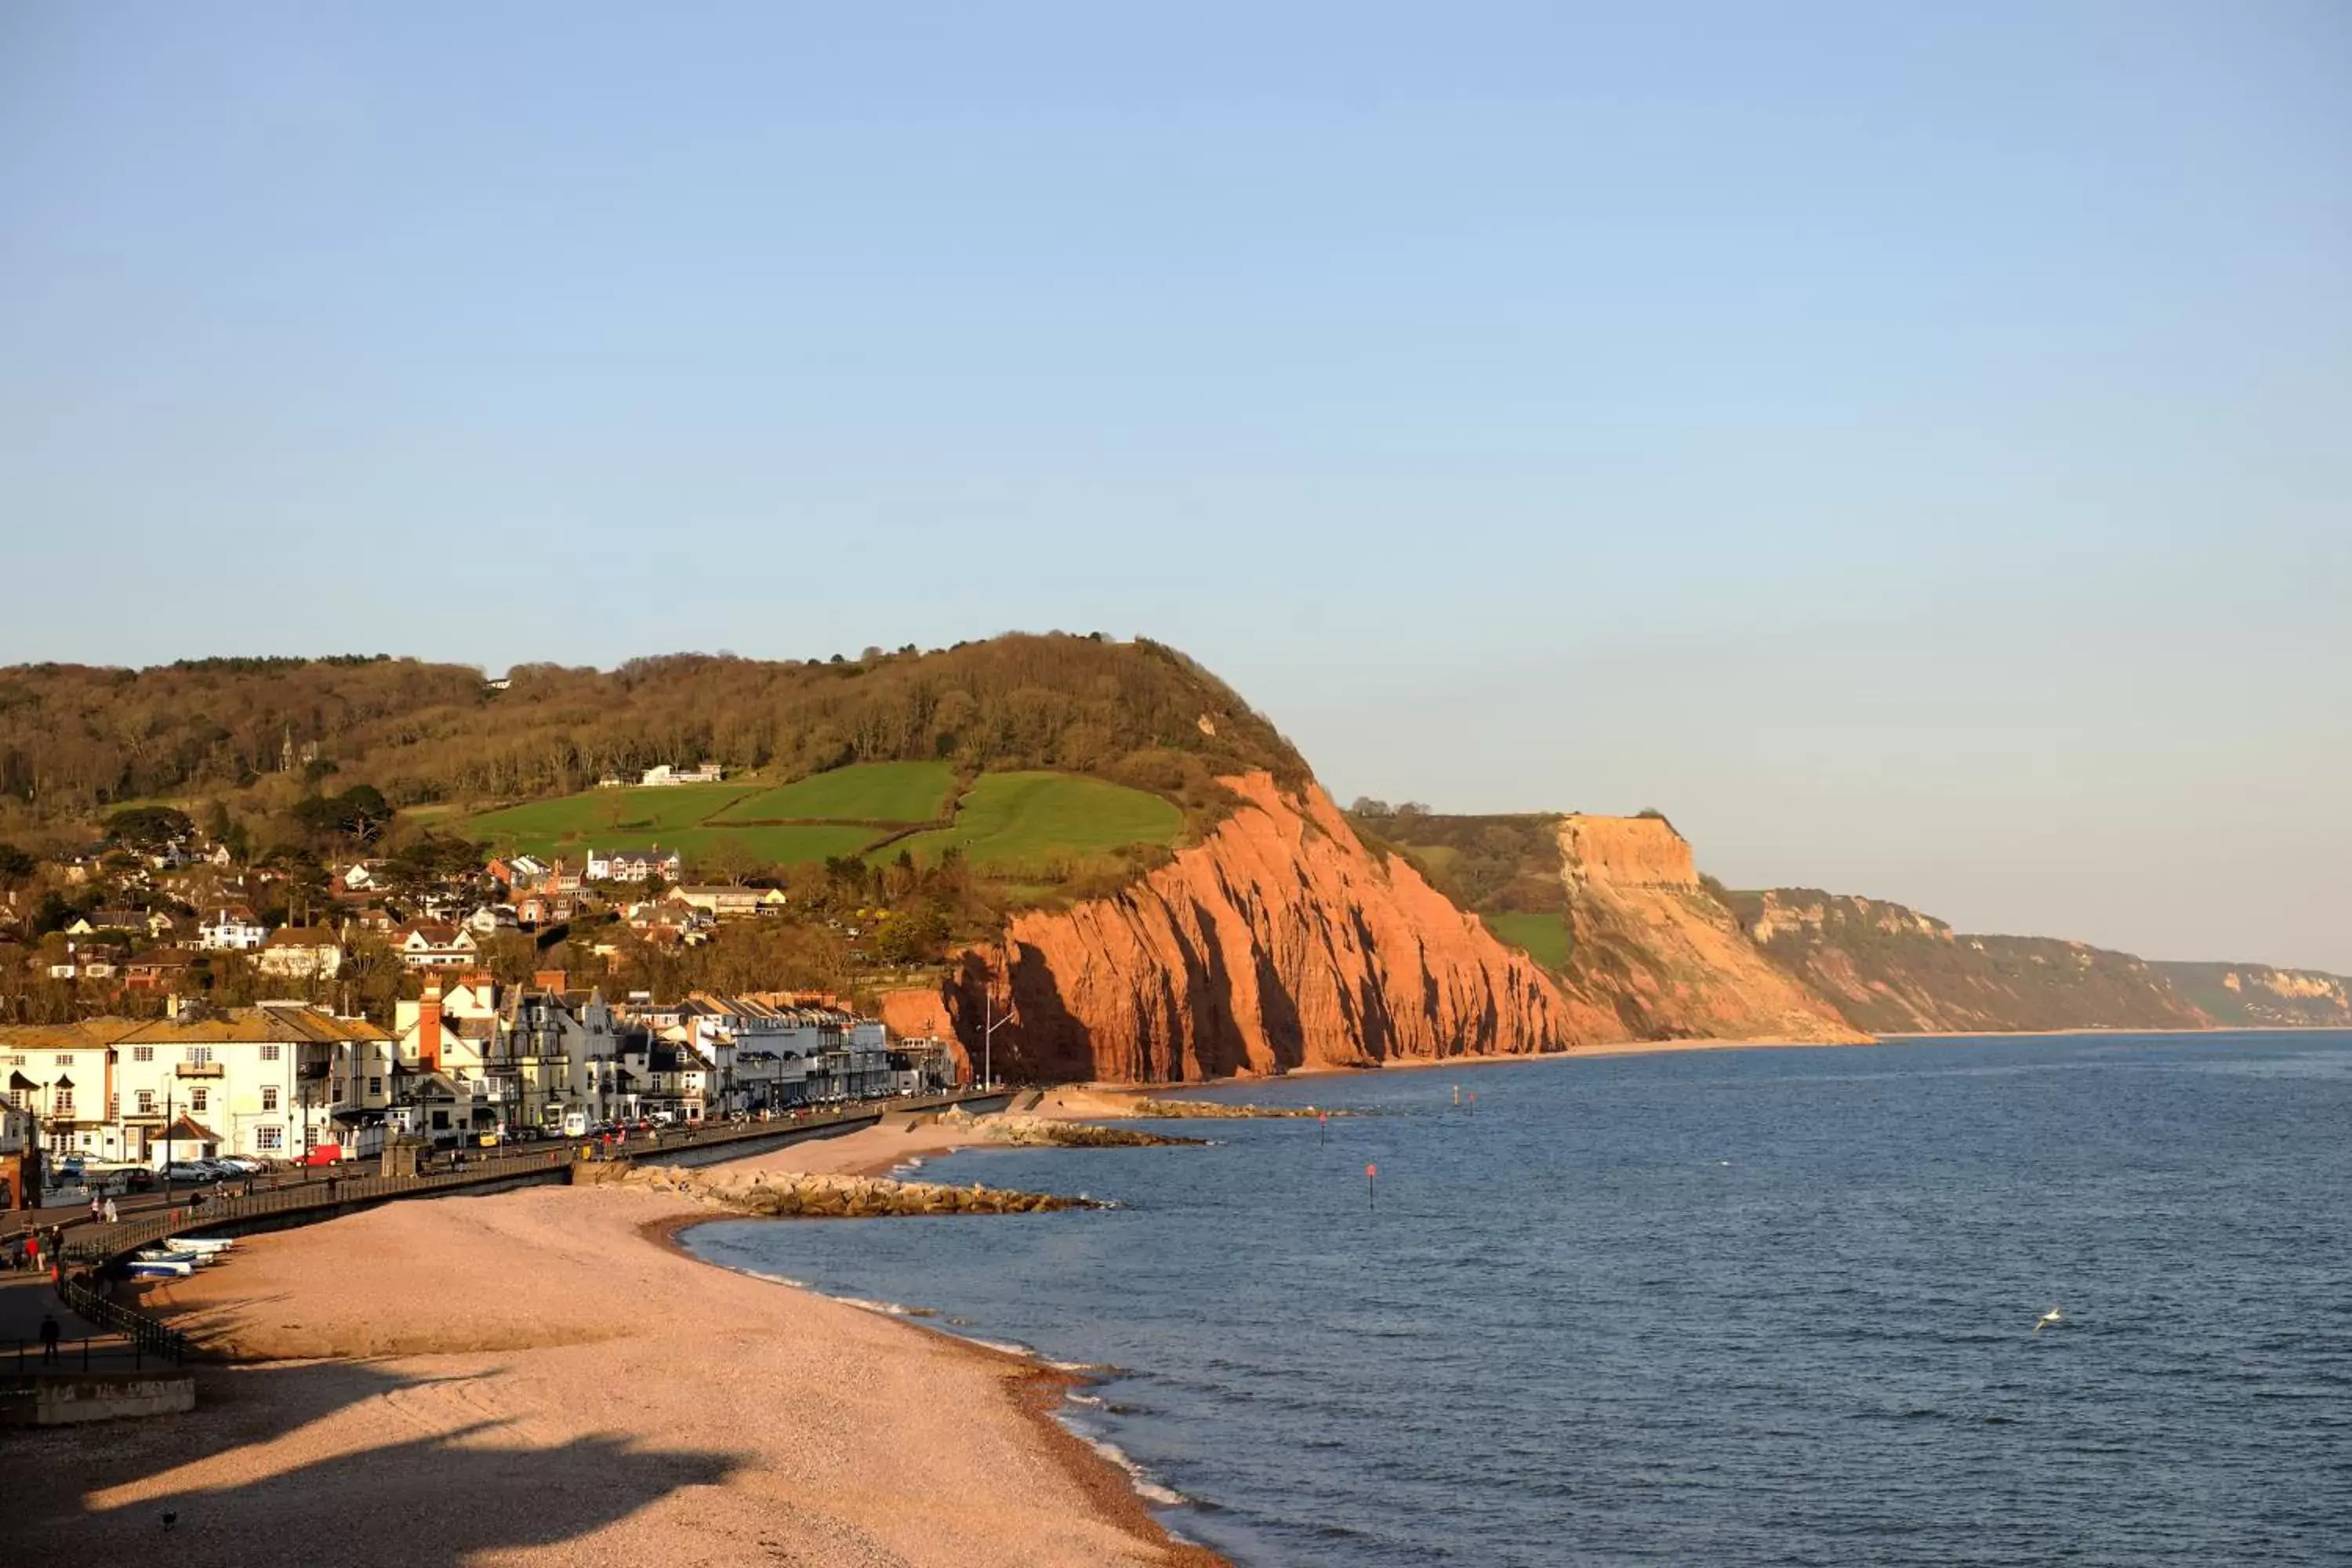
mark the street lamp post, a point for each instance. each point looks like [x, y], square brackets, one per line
[991, 1023]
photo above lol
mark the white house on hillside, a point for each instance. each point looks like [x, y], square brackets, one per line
[708, 772]
[634, 865]
[231, 930]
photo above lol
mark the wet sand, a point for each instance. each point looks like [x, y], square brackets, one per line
[538, 1377]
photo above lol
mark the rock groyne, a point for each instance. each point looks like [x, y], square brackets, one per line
[786, 1194]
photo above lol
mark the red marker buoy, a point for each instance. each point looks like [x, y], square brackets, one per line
[1372, 1173]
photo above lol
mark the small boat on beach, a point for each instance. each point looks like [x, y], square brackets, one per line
[159, 1254]
[204, 1245]
[158, 1269]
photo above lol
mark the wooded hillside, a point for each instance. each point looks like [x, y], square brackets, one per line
[76, 740]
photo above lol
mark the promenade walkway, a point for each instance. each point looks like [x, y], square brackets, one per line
[94, 1244]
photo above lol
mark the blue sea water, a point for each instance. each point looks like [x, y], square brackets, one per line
[1722, 1307]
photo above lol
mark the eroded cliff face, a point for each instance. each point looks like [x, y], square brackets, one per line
[2255, 995]
[1897, 970]
[1280, 942]
[1648, 940]
[1624, 852]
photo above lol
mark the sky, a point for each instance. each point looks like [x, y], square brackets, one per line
[1910, 446]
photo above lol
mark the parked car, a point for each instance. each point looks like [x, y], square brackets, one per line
[191, 1173]
[244, 1164]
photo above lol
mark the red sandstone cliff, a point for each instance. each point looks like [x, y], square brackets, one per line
[1647, 938]
[1279, 942]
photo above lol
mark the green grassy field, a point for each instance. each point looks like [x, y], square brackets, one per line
[1015, 823]
[870, 792]
[1026, 819]
[621, 818]
[774, 846]
[1543, 937]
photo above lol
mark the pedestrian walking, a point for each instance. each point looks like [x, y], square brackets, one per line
[96, 1208]
[112, 1214]
[49, 1331]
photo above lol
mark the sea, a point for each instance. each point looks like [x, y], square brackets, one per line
[1725, 1307]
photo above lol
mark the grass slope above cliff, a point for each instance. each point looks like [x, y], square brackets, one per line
[1034, 828]
[1892, 970]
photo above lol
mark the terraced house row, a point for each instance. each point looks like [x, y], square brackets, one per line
[290, 1081]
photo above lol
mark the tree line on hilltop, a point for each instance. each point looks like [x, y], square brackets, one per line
[284, 733]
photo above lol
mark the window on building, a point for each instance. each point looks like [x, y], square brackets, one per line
[375, 1086]
[65, 1059]
[142, 1053]
[146, 1102]
[65, 1102]
[199, 1099]
[269, 1052]
[269, 1140]
[269, 1097]
[200, 1054]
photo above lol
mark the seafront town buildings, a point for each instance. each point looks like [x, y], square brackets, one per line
[291, 1081]
[245, 1081]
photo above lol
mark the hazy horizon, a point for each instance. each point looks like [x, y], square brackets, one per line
[1905, 447]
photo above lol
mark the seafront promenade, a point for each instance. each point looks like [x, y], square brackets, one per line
[90, 1248]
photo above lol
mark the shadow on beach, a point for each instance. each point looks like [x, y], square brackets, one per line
[417, 1471]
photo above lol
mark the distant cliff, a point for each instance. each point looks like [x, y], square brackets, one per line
[1279, 942]
[1892, 970]
[1652, 943]
[2255, 995]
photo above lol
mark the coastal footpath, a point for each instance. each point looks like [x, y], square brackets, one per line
[542, 1377]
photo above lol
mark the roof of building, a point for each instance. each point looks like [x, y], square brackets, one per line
[308, 936]
[90, 1034]
[268, 1023]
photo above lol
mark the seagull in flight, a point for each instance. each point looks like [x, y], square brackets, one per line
[2052, 1319]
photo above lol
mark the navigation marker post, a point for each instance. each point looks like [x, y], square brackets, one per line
[1371, 1199]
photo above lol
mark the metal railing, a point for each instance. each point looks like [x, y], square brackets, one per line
[99, 1242]
[92, 1352]
[150, 1336]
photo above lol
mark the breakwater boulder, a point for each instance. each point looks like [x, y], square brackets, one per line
[793, 1194]
[1038, 1132]
[1209, 1110]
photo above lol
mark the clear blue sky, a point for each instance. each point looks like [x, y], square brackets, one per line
[1912, 445]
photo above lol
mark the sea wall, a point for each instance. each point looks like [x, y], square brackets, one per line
[67, 1399]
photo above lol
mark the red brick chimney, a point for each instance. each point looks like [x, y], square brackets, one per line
[429, 1025]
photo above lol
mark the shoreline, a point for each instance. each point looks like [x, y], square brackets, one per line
[1036, 1390]
[601, 1394]
[1665, 1047]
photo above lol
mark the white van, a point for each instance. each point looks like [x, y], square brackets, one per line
[575, 1124]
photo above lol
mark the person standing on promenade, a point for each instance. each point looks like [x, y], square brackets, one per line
[96, 1208]
[49, 1331]
[113, 1214]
